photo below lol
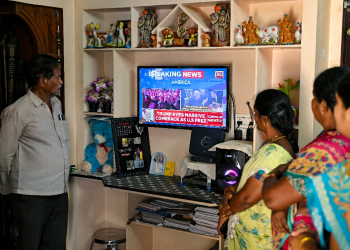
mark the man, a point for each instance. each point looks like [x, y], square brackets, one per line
[196, 100]
[35, 159]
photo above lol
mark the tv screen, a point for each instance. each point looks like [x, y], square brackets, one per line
[183, 97]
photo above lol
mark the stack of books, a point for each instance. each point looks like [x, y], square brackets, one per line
[206, 219]
[178, 222]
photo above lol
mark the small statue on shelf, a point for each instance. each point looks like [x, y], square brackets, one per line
[90, 33]
[193, 35]
[182, 18]
[154, 41]
[121, 37]
[110, 37]
[239, 39]
[127, 32]
[181, 33]
[168, 37]
[206, 40]
[286, 36]
[297, 34]
[269, 35]
[250, 32]
[221, 25]
[146, 24]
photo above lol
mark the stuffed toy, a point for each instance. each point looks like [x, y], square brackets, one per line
[99, 154]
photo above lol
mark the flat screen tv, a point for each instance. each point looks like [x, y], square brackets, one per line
[183, 97]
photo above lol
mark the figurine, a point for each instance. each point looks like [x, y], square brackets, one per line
[168, 37]
[286, 36]
[239, 39]
[90, 34]
[221, 25]
[193, 34]
[110, 37]
[269, 35]
[121, 37]
[127, 32]
[206, 40]
[146, 24]
[250, 32]
[154, 40]
[297, 34]
[181, 31]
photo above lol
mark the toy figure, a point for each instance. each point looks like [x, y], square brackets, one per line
[90, 39]
[146, 24]
[206, 40]
[286, 36]
[168, 37]
[193, 34]
[93, 41]
[250, 32]
[110, 37]
[239, 39]
[297, 34]
[121, 37]
[269, 35]
[127, 32]
[221, 25]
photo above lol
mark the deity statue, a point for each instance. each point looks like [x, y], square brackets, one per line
[206, 40]
[127, 32]
[121, 37]
[220, 21]
[110, 37]
[251, 31]
[146, 24]
[286, 36]
[192, 37]
[91, 32]
[181, 31]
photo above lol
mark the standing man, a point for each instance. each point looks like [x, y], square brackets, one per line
[35, 159]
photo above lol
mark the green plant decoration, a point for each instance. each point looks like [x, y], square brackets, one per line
[289, 86]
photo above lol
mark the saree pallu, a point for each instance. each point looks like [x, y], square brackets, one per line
[316, 158]
[328, 200]
[251, 229]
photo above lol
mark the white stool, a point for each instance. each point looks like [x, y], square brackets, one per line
[112, 237]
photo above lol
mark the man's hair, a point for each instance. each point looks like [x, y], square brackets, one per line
[40, 66]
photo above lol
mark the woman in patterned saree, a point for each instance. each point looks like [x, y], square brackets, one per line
[249, 223]
[315, 158]
[328, 195]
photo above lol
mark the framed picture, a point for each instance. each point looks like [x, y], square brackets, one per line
[158, 162]
[131, 147]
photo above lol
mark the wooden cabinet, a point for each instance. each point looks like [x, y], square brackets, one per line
[253, 68]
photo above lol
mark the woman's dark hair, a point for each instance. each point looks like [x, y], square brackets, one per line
[276, 105]
[40, 66]
[326, 84]
[343, 90]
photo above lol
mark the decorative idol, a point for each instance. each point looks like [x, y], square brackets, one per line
[286, 36]
[220, 21]
[192, 36]
[121, 36]
[110, 37]
[168, 37]
[90, 35]
[269, 35]
[239, 39]
[250, 32]
[206, 40]
[181, 32]
[127, 32]
[297, 34]
[146, 24]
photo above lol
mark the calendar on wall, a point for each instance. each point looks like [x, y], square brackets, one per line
[131, 147]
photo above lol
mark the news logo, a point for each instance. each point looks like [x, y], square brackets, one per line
[219, 74]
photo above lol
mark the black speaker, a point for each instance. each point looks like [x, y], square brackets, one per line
[229, 167]
[202, 139]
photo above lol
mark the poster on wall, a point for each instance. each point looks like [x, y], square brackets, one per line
[131, 147]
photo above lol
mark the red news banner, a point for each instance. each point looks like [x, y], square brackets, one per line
[188, 117]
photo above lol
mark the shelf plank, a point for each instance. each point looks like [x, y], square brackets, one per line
[97, 114]
[174, 230]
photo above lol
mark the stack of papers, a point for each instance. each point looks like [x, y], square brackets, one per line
[206, 219]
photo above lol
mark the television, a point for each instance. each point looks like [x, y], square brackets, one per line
[183, 97]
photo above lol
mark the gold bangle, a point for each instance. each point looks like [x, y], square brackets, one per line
[230, 188]
[307, 238]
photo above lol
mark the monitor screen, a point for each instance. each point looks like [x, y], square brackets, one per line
[183, 97]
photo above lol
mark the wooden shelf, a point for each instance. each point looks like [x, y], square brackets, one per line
[97, 114]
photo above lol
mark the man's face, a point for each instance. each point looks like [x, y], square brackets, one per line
[213, 94]
[54, 84]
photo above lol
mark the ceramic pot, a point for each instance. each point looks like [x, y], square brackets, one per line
[107, 107]
[92, 107]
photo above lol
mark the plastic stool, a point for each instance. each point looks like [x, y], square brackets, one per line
[112, 237]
